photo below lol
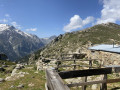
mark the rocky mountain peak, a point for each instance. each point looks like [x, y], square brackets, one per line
[4, 27]
[17, 44]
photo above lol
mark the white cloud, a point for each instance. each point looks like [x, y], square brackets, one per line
[110, 11]
[8, 20]
[4, 20]
[77, 22]
[7, 15]
[31, 29]
[16, 25]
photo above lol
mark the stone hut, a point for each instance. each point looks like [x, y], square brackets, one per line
[109, 54]
[3, 56]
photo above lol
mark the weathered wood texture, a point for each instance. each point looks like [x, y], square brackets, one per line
[86, 83]
[54, 81]
[72, 59]
[82, 73]
[84, 79]
[104, 85]
[75, 65]
[94, 82]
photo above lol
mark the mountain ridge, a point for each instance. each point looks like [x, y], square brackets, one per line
[16, 44]
[79, 41]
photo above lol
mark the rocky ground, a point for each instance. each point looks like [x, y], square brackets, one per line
[113, 86]
[22, 77]
[32, 77]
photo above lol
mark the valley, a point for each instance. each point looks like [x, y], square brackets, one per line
[59, 44]
[30, 73]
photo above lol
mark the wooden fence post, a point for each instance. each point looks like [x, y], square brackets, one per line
[74, 62]
[104, 85]
[84, 79]
[90, 64]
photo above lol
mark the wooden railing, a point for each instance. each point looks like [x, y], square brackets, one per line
[54, 79]
[55, 82]
[74, 64]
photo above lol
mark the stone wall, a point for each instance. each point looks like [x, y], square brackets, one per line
[108, 58]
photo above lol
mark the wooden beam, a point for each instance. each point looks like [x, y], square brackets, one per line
[113, 80]
[71, 59]
[84, 79]
[86, 83]
[75, 65]
[104, 85]
[94, 82]
[115, 68]
[90, 63]
[82, 73]
[78, 60]
[54, 81]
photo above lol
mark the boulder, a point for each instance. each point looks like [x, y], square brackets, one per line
[31, 85]
[19, 66]
[14, 72]
[39, 65]
[9, 78]
[2, 80]
[20, 86]
[12, 86]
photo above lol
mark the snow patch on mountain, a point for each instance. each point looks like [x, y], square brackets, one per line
[17, 44]
[23, 33]
[4, 27]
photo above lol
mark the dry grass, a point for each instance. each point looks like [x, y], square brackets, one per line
[38, 79]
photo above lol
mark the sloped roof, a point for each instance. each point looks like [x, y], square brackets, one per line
[106, 47]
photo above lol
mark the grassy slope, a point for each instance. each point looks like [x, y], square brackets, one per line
[38, 79]
[96, 35]
[6, 62]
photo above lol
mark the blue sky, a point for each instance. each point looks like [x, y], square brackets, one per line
[45, 18]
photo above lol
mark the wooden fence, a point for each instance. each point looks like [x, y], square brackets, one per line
[90, 61]
[54, 79]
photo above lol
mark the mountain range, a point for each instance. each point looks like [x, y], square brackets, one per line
[79, 41]
[17, 44]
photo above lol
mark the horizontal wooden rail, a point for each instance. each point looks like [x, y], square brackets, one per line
[72, 59]
[86, 83]
[113, 80]
[55, 82]
[77, 60]
[82, 73]
[94, 82]
[75, 65]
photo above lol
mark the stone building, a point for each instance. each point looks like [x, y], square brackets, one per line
[109, 54]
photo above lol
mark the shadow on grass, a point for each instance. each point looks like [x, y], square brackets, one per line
[116, 88]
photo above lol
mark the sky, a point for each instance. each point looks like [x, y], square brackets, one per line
[45, 18]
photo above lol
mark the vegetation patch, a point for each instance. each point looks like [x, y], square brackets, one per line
[34, 80]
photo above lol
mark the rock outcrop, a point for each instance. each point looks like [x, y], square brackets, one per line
[15, 73]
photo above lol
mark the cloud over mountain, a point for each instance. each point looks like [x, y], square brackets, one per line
[16, 25]
[77, 22]
[31, 29]
[110, 11]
